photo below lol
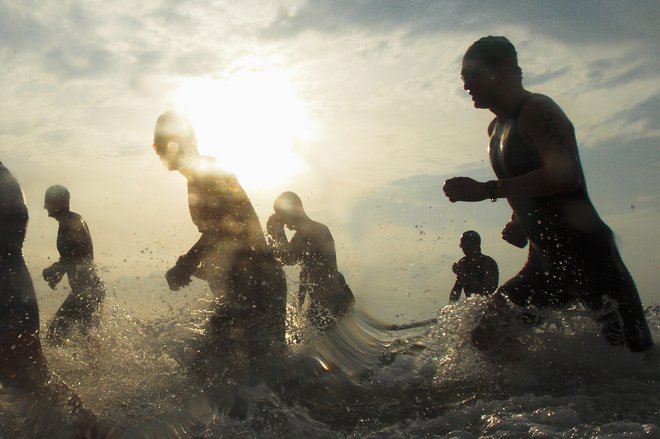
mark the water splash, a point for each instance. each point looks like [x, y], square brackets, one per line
[359, 380]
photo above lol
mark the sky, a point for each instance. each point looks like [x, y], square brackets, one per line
[355, 105]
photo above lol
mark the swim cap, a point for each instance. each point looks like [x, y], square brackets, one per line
[288, 203]
[172, 125]
[471, 236]
[57, 193]
[491, 49]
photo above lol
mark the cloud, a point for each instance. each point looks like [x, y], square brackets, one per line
[622, 174]
[646, 112]
[548, 75]
[563, 20]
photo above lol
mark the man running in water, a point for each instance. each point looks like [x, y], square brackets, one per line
[22, 362]
[82, 308]
[23, 365]
[476, 273]
[313, 247]
[231, 253]
[572, 254]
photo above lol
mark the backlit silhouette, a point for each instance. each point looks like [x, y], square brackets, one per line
[231, 253]
[82, 308]
[313, 247]
[533, 151]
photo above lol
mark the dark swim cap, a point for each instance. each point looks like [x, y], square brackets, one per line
[57, 193]
[491, 49]
[471, 236]
[288, 203]
[173, 125]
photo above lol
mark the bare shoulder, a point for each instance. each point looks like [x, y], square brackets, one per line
[541, 107]
[542, 117]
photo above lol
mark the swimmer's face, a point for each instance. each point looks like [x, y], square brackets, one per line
[286, 219]
[169, 152]
[469, 247]
[478, 81]
[50, 208]
[53, 206]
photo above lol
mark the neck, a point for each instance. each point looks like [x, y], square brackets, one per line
[508, 102]
[61, 214]
[188, 166]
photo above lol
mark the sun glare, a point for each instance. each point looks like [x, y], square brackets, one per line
[252, 121]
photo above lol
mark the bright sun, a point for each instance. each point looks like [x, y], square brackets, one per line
[252, 121]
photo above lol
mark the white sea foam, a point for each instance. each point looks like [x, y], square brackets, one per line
[361, 380]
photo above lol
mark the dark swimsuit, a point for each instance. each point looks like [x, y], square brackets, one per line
[476, 270]
[82, 307]
[572, 253]
[252, 313]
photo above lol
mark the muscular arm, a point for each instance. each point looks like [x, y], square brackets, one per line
[278, 242]
[221, 211]
[545, 126]
[74, 243]
[456, 290]
[75, 246]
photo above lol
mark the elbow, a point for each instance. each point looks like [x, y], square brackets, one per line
[564, 178]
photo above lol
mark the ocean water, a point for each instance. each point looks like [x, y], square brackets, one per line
[362, 380]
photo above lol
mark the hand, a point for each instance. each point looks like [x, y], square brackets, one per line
[465, 189]
[179, 275]
[52, 275]
[275, 226]
[459, 270]
[514, 234]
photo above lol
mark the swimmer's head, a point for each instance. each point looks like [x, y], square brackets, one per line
[174, 139]
[56, 200]
[494, 51]
[471, 236]
[288, 205]
[470, 242]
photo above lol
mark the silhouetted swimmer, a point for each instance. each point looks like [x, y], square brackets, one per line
[533, 151]
[82, 308]
[231, 254]
[313, 247]
[476, 273]
[23, 366]
[22, 361]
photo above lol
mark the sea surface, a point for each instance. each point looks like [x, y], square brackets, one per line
[362, 380]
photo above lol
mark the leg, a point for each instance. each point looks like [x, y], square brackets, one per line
[533, 285]
[258, 282]
[90, 315]
[611, 287]
[66, 316]
[22, 362]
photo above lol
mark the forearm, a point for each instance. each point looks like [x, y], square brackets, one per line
[204, 245]
[538, 183]
[60, 266]
[282, 249]
[455, 293]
